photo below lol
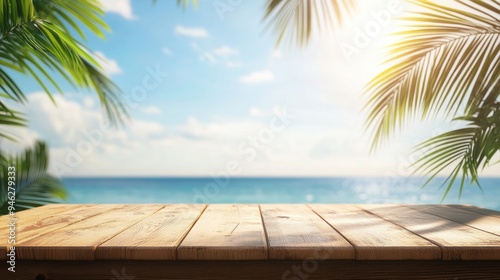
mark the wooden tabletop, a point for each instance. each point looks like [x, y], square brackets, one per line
[254, 232]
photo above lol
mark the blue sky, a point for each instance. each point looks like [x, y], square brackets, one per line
[209, 93]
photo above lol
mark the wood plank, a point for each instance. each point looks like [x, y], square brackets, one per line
[226, 232]
[480, 221]
[296, 232]
[479, 210]
[26, 222]
[457, 241]
[154, 238]
[77, 241]
[374, 238]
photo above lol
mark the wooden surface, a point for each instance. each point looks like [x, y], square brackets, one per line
[457, 241]
[255, 232]
[375, 238]
[226, 232]
[296, 232]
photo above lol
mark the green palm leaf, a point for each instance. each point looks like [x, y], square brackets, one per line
[295, 20]
[33, 186]
[36, 40]
[446, 62]
[9, 118]
[447, 59]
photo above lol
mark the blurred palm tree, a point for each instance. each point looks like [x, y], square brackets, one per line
[36, 39]
[446, 61]
[295, 20]
[33, 185]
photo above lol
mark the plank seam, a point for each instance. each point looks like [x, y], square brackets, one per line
[439, 245]
[455, 221]
[188, 231]
[268, 248]
[65, 225]
[348, 241]
[474, 209]
[130, 225]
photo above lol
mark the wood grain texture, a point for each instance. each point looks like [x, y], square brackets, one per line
[226, 232]
[296, 232]
[483, 222]
[155, 237]
[375, 238]
[475, 209]
[78, 240]
[457, 241]
[33, 222]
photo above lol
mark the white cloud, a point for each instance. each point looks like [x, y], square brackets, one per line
[152, 110]
[257, 77]
[121, 7]
[88, 101]
[276, 54]
[225, 51]
[110, 66]
[195, 32]
[167, 51]
[255, 112]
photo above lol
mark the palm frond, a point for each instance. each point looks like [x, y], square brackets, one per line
[10, 118]
[468, 149]
[185, 3]
[36, 40]
[33, 185]
[446, 60]
[295, 20]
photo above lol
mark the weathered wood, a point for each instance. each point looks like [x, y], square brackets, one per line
[312, 238]
[226, 232]
[482, 211]
[457, 241]
[155, 237]
[254, 270]
[296, 232]
[375, 238]
[78, 240]
[34, 222]
[483, 222]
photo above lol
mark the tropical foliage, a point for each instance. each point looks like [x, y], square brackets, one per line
[41, 39]
[33, 186]
[446, 62]
[295, 20]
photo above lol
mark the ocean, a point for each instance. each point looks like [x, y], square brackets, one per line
[277, 190]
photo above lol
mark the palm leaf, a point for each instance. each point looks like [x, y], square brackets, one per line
[295, 20]
[10, 118]
[33, 186]
[468, 149]
[36, 40]
[446, 60]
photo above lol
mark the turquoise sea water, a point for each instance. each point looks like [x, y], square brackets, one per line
[275, 190]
